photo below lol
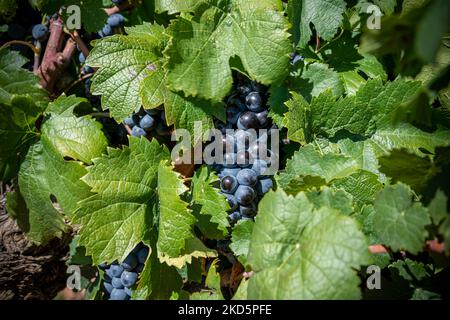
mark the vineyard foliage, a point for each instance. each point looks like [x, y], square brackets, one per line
[365, 111]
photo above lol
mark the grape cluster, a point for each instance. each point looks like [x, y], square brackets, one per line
[243, 175]
[144, 122]
[115, 22]
[121, 277]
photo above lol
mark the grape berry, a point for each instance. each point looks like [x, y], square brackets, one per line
[120, 278]
[147, 121]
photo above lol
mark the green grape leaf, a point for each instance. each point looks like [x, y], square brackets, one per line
[200, 50]
[299, 252]
[325, 15]
[308, 162]
[438, 207]
[382, 142]
[17, 133]
[363, 186]
[124, 62]
[193, 249]
[351, 81]
[298, 119]
[44, 174]
[241, 293]
[422, 294]
[317, 78]
[176, 243]
[78, 138]
[187, 113]
[175, 6]
[369, 109]
[334, 199]
[16, 81]
[209, 201]
[410, 270]
[401, 165]
[241, 238]
[364, 153]
[213, 291]
[120, 215]
[409, 137]
[175, 218]
[21, 102]
[364, 112]
[77, 254]
[157, 281]
[64, 103]
[399, 221]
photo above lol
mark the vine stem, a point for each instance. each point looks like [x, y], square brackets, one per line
[54, 61]
[100, 114]
[83, 47]
[328, 43]
[128, 129]
[37, 57]
[73, 84]
[24, 43]
[317, 43]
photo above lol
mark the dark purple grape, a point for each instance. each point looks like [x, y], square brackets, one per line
[129, 122]
[128, 278]
[247, 177]
[233, 114]
[263, 118]
[88, 70]
[138, 132]
[228, 172]
[245, 195]
[139, 268]
[296, 58]
[229, 160]
[228, 184]
[232, 202]
[235, 216]
[264, 185]
[116, 270]
[116, 20]
[119, 294]
[108, 287]
[260, 167]
[248, 120]
[40, 32]
[249, 211]
[253, 102]
[130, 262]
[117, 283]
[147, 122]
[142, 254]
[244, 90]
[228, 143]
[243, 159]
[81, 58]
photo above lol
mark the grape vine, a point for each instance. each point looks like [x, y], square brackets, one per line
[231, 149]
